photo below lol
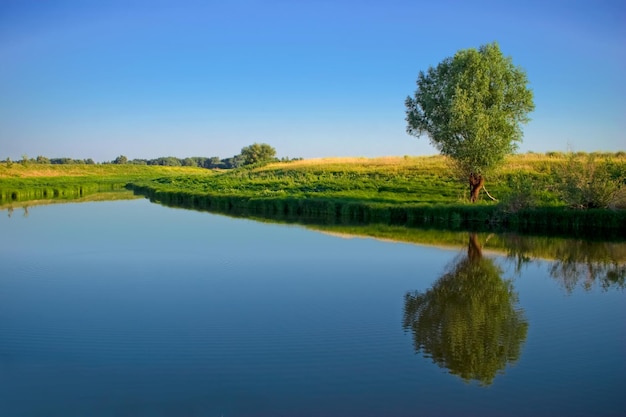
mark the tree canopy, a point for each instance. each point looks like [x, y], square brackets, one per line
[121, 160]
[257, 152]
[471, 106]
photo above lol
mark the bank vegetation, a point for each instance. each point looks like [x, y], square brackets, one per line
[562, 193]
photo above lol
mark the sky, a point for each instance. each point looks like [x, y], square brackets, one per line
[319, 78]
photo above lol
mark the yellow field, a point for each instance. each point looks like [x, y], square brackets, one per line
[17, 170]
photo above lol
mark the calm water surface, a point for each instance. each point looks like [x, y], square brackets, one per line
[129, 308]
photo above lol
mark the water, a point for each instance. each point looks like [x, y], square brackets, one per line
[129, 308]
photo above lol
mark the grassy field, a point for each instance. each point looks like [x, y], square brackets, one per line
[416, 191]
[425, 180]
[18, 171]
[20, 182]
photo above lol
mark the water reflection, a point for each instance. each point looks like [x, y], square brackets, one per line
[86, 197]
[468, 321]
[570, 274]
[64, 332]
[576, 263]
[10, 210]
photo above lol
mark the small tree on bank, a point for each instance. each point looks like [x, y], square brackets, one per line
[257, 152]
[471, 107]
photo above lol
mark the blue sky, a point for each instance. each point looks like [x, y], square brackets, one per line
[96, 79]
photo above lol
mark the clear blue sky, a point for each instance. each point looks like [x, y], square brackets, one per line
[96, 79]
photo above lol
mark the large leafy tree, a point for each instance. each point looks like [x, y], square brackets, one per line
[471, 107]
[469, 321]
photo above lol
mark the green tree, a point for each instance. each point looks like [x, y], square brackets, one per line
[189, 162]
[468, 321]
[257, 152]
[121, 160]
[213, 162]
[471, 107]
[170, 161]
[234, 162]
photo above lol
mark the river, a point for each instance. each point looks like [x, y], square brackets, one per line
[129, 308]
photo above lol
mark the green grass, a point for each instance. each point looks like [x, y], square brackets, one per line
[33, 181]
[18, 170]
[356, 182]
[409, 180]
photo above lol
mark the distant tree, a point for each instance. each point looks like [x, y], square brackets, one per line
[42, 160]
[471, 107]
[166, 161]
[89, 161]
[60, 161]
[120, 160]
[171, 161]
[9, 162]
[213, 162]
[257, 152]
[194, 161]
[234, 162]
[287, 159]
[198, 161]
[24, 160]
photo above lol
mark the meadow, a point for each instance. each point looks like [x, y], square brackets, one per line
[414, 191]
[23, 182]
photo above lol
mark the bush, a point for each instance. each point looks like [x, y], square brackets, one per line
[585, 182]
[523, 193]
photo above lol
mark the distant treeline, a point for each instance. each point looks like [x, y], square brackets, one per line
[249, 155]
[55, 161]
[196, 161]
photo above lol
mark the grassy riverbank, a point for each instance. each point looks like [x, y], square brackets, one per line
[414, 191]
[19, 182]
[396, 180]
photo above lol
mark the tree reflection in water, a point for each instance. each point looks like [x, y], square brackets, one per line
[468, 321]
[575, 263]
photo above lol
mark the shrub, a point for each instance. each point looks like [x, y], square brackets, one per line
[586, 182]
[523, 193]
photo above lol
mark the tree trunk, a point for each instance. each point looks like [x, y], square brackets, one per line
[476, 182]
